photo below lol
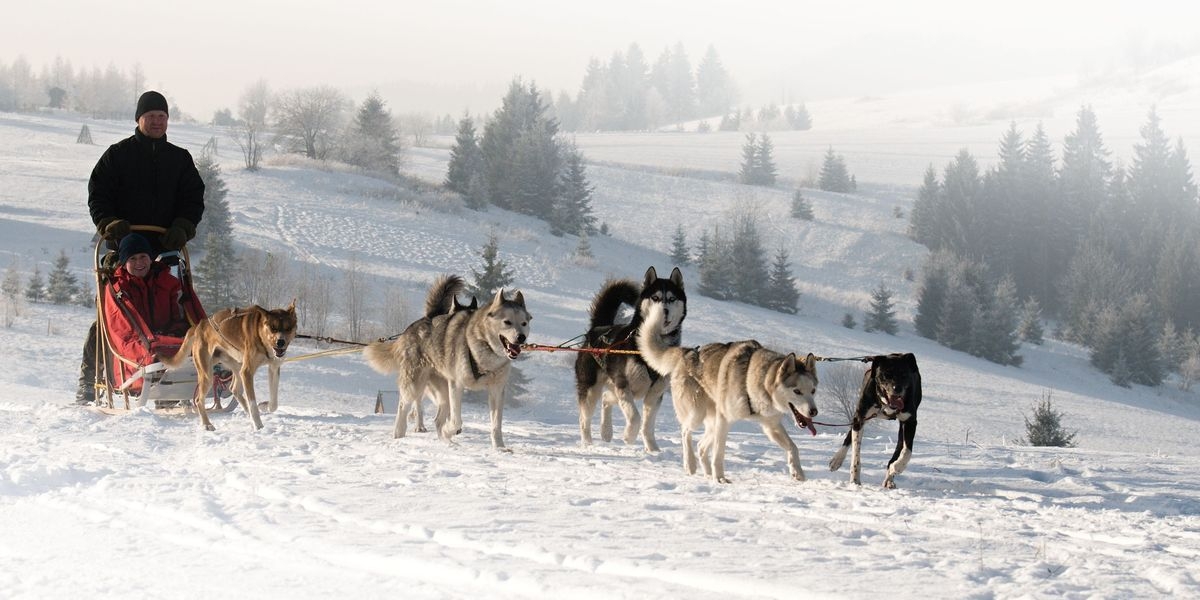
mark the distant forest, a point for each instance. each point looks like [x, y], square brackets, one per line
[1111, 251]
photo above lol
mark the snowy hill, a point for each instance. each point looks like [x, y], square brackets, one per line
[322, 501]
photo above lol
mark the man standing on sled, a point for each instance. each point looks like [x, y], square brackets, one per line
[142, 180]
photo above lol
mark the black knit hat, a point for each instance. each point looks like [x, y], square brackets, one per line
[149, 101]
[132, 244]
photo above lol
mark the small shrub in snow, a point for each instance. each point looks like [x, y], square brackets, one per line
[1046, 428]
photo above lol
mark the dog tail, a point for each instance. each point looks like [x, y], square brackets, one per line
[655, 351]
[185, 348]
[609, 299]
[379, 356]
[442, 295]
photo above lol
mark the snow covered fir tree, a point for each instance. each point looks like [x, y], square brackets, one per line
[495, 273]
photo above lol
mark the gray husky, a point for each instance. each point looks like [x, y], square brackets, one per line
[717, 384]
[621, 379]
[449, 350]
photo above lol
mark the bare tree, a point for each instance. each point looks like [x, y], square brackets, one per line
[313, 298]
[250, 131]
[396, 313]
[418, 125]
[840, 385]
[355, 293]
[310, 118]
[262, 278]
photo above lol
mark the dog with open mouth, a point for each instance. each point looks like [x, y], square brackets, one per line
[241, 340]
[714, 385]
[454, 348]
[891, 389]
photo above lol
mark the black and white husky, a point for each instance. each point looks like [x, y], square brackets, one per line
[623, 378]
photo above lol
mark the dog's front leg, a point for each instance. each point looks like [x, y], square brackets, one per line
[202, 385]
[689, 455]
[776, 432]
[453, 425]
[904, 446]
[606, 403]
[653, 402]
[247, 375]
[633, 420]
[720, 434]
[496, 407]
[855, 453]
[587, 407]
[273, 385]
[835, 463]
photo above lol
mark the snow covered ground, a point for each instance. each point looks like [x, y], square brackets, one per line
[323, 503]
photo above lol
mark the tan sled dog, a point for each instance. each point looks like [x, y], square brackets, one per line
[717, 384]
[241, 340]
[449, 351]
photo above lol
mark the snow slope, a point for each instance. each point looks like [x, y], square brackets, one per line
[323, 503]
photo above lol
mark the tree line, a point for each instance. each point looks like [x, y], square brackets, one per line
[1107, 250]
[521, 163]
[108, 93]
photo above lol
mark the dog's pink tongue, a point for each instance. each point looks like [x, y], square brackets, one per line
[812, 428]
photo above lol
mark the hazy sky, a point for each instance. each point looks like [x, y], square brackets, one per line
[450, 55]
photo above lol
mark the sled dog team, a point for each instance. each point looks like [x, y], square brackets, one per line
[456, 347]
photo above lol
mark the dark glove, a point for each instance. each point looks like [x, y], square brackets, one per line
[113, 229]
[178, 234]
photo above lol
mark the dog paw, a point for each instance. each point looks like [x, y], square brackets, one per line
[422, 429]
[889, 483]
[209, 428]
[799, 476]
[723, 480]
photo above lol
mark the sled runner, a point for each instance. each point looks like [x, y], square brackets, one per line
[122, 382]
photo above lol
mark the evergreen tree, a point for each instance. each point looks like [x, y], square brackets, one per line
[217, 217]
[1172, 347]
[1046, 428]
[834, 176]
[848, 321]
[373, 142]
[715, 90]
[882, 314]
[583, 250]
[748, 262]
[1095, 280]
[495, 276]
[1085, 176]
[994, 334]
[680, 255]
[799, 118]
[61, 285]
[781, 287]
[801, 207]
[1030, 326]
[672, 77]
[573, 209]
[215, 283]
[476, 196]
[765, 161]
[748, 173]
[35, 290]
[923, 221]
[931, 297]
[959, 311]
[1125, 344]
[521, 155]
[716, 267]
[466, 159]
